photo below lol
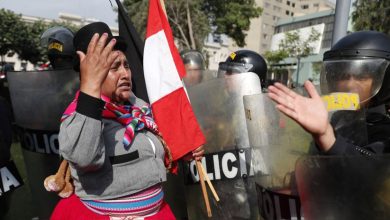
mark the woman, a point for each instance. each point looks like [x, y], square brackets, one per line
[110, 139]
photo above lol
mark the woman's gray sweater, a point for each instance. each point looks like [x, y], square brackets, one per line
[101, 167]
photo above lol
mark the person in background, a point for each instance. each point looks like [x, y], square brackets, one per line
[59, 44]
[195, 65]
[244, 61]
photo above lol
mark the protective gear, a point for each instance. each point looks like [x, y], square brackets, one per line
[243, 61]
[356, 60]
[193, 58]
[222, 115]
[195, 65]
[59, 43]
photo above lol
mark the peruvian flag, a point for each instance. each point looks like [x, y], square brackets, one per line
[164, 69]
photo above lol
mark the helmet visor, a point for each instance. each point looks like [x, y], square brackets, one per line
[363, 76]
[230, 68]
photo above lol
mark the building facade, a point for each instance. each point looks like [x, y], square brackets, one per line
[262, 29]
[310, 66]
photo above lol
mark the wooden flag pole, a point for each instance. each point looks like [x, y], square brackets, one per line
[204, 190]
[204, 173]
[198, 164]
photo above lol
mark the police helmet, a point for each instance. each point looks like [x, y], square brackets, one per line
[243, 61]
[193, 58]
[363, 55]
[195, 65]
[59, 43]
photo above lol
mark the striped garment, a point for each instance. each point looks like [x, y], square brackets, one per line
[132, 117]
[141, 204]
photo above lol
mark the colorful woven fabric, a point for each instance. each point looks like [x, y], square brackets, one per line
[131, 117]
[72, 208]
[144, 203]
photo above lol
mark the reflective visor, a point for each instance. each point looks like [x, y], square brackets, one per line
[362, 76]
[229, 68]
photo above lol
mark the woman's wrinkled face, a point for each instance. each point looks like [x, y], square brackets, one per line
[117, 85]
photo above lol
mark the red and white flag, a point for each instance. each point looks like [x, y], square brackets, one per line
[164, 69]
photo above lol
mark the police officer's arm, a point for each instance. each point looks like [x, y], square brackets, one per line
[310, 112]
[94, 65]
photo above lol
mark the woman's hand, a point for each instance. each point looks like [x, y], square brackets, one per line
[94, 65]
[197, 154]
[310, 113]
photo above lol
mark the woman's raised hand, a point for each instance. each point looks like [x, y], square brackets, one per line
[95, 64]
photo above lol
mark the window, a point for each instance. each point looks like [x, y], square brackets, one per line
[305, 6]
[293, 5]
[266, 5]
[292, 14]
[287, 12]
[316, 5]
[265, 36]
[288, 2]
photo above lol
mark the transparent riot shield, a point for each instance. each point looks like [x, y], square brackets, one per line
[174, 187]
[209, 75]
[38, 101]
[218, 106]
[344, 187]
[277, 142]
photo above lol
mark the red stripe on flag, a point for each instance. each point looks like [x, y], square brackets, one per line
[157, 21]
[177, 123]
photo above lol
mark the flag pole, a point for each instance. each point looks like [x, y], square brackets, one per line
[204, 190]
[204, 173]
[202, 176]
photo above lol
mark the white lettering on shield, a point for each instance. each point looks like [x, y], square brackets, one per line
[8, 179]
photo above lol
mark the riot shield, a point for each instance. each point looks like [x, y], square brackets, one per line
[218, 106]
[344, 187]
[277, 142]
[38, 101]
[208, 75]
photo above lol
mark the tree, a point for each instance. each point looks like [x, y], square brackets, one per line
[10, 24]
[28, 43]
[293, 45]
[232, 17]
[371, 15]
[191, 21]
[274, 57]
[23, 38]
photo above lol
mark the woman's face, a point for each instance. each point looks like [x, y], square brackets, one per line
[117, 85]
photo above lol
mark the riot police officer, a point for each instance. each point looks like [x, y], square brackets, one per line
[357, 63]
[195, 65]
[59, 43]
[243, 61]
[241, 74]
